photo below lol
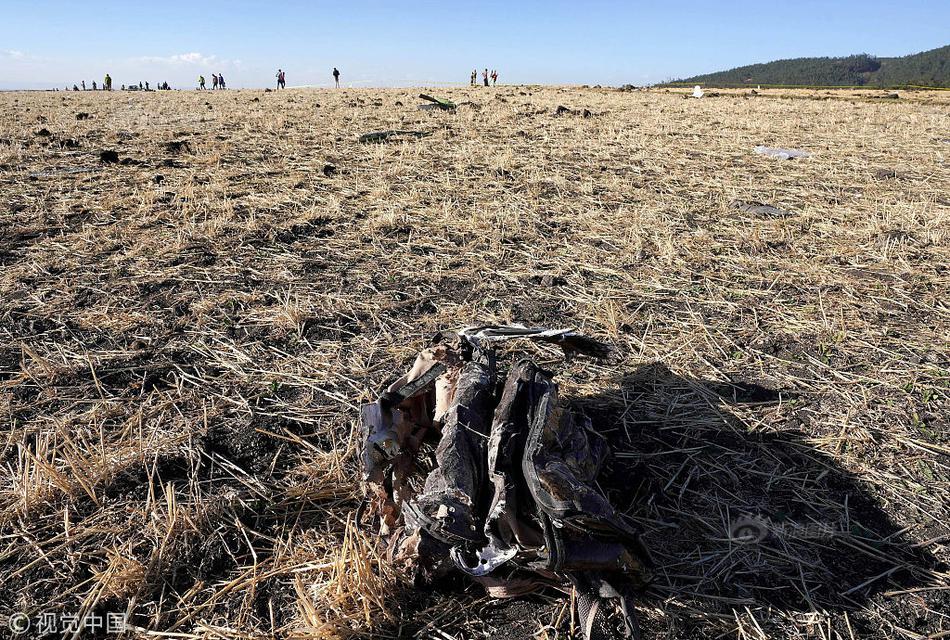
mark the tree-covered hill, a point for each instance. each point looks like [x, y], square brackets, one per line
[929, 68]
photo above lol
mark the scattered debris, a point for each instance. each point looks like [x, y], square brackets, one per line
[68, 143]
[761, 209]
[389, 134]
[697, 92]
[158, 178]
[783, 154]
[329, 169]
[510, 497]
[82, 115]
[627, 87]
[562, 110]
[44, 133]
[109, 156]
[398, 103]
[440, 103]
[255, 99]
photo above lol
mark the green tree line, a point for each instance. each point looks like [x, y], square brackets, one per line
[929, 68]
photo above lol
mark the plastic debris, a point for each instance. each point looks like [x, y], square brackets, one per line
[499, 484]
[783, 154]
[760, 209]
[67, 171]
[697, 92]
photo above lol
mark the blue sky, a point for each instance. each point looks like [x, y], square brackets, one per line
[54, 43]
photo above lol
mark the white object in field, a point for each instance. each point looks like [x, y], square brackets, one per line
[697, 91]
[783, 154]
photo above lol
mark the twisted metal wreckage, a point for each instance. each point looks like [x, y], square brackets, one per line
[509, 496]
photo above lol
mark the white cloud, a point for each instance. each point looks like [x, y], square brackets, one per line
[193, 59]
[13, 54]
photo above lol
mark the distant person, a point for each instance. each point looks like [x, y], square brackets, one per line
[201, 83]
[94, 88]
[140, 85]
[214, 81]
[83, 85]
[336, 77]
[107, 83]
[221, 81]
[485, 76]
[146, 85]
[75, 88]
[494, 77]
[474, 77]
[281, 79]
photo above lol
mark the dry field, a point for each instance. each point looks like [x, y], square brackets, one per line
[186, 335]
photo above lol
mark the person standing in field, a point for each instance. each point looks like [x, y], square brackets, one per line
[214, 81]
[107, 83]
[221, 81]
[474, 77]
[485, 76]
[201, 83]
[494, 77]
[281, 79]
[336, 77]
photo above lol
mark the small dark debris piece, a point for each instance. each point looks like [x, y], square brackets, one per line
[385, 136]
[398, 103]
[268, 90]
[82, 115]
[562, 110]
[885, 174]
[109, 156]
[255, 100]
[329, 169]
[69, 143]
[44, 133]
[178, 146]
[158, 178]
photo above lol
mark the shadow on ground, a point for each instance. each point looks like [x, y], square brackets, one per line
[739, 515]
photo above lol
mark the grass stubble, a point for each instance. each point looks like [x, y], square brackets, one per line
[186, 335]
